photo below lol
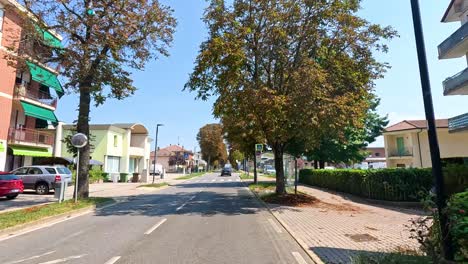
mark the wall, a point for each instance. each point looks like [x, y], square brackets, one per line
[138, 140]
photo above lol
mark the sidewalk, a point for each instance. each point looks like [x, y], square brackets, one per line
[337, 227]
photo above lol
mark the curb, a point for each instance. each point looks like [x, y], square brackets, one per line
[51, 220]
[301, 243]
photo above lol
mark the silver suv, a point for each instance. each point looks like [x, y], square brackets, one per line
[43, 178]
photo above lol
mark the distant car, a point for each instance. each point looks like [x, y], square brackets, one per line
[10, 185]
[227, 170]
[268, 169]
[43, 178]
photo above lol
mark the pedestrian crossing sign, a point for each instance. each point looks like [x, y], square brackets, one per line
[258, 147]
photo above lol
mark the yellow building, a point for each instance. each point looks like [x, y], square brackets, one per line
[407, 144]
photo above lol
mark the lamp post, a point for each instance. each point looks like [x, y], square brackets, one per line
[432, 133]
[78, 140]
[156, 151]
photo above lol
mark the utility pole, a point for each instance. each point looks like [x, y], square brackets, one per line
[432, 132]
[255, 168]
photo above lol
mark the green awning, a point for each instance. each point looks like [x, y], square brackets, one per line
[30, 151]
[49, 39]
[2, 148]
[45, 77]
[39, 112]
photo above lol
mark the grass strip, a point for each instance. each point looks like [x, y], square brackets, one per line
[154, 185]
[23, 216]
[190, 176]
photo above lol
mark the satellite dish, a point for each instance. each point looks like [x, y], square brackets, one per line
[79, 140]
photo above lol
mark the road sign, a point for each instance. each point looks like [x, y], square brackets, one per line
[258, 147]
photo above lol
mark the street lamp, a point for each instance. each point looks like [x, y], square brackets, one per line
[432, 132]
[78, 140]
[156, 151]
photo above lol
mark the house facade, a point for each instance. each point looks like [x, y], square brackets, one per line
[123, 148]
[375, 160]
[456, 46]
[407, 144]
[28, 94]
[174, 158]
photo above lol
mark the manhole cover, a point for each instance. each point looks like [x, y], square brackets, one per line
[362, 237]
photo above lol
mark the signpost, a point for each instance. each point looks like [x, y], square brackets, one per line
[258, 155]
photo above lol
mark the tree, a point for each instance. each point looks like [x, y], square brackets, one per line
[235, 156]
[103, 41]
[211, 141]
[289, 69]
[350, 148]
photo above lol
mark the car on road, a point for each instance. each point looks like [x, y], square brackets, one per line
[10, 185]
[227, 170]
[269, 169]
[42, 179]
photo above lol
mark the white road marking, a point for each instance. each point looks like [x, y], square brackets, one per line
[237, 180]
[275, 226]
[31, 258]
[213, 180]
[299, 258]
[63, 259]
[222, 180]
[182, 206]
[155, 226]
[113, 260]
[229, 180]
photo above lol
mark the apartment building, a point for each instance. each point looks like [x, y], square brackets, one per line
[28, 94]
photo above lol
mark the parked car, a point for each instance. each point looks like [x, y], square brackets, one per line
[227, 170]
[158, 169]
[43, 178]
[10, 185]
[268, 169]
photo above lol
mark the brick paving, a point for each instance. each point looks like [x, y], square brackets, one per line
[343, 226]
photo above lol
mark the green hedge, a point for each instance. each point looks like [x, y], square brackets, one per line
[458, 215]
[385, 184]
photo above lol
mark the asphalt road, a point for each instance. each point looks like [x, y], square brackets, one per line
[207, 220]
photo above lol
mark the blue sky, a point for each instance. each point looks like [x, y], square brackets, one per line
[160, 98]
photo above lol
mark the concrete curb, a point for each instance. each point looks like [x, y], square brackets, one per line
[50, 220]
[301, 243]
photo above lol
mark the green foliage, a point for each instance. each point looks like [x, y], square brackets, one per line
[386, 184]
[246, 176]
[155, 185]
[105, 176]
[235, 156]
[389, 258]
[458, 216]
[95, 175]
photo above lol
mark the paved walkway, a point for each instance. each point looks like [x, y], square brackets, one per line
[337, 227]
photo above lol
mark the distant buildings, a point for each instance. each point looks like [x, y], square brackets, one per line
[375, 160]
[456, 46]
[174, 158]
[28, 95]
[407, 144]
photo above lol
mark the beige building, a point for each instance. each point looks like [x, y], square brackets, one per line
[407, 144]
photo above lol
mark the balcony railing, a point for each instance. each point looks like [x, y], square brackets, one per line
[458, 123]
[36, 95]
[457, 84]
[456, 45]
[34, 136]
[401, 153]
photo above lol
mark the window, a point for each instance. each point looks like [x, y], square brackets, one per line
[51, 170]
[8, 177]
[2, 13]
[377, 154]
[115, 141]
[64, 170]
[21, 171]
[113, 164]
[34, 171]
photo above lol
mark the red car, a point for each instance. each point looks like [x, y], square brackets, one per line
[10, 185]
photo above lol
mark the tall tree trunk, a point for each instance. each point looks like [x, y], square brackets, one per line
[322, 164]
[83, 127]
[316, 164]
[280, 180]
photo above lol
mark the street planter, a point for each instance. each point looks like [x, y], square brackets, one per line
[123, 177]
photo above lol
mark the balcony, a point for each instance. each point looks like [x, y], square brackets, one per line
[457, 85]
[456, 45]
[35, 96]
[458, 123]
[400, 154]
[30, 136]
[137, 152]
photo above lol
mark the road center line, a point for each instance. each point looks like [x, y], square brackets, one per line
[63, 259]
[182, 206]
[31, 258]
[155, 226]
[113, 260]
[299, 258]
[275, 226]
